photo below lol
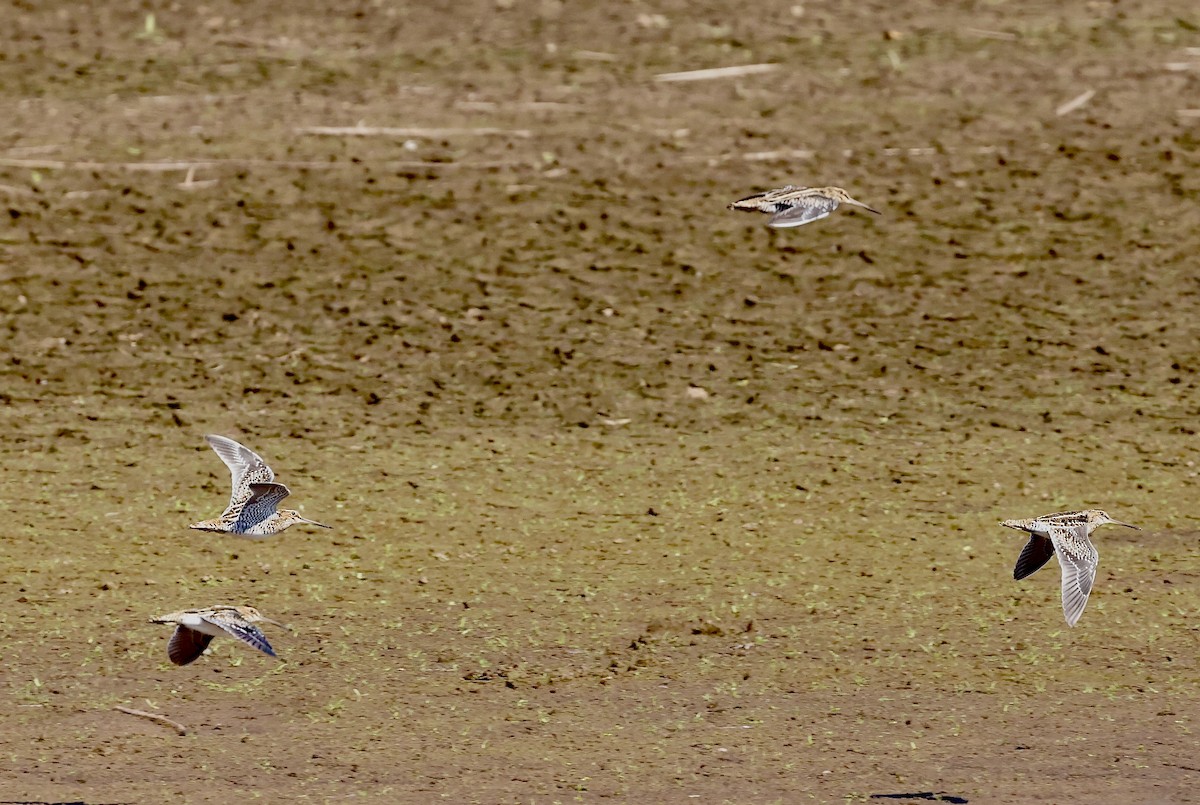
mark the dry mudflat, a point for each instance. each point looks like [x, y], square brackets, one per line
[635, 500]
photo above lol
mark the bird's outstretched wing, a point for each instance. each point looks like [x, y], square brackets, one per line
[1078, 559]
[245, 468]
[186, 645]
[803, 210]
[243, 630]
[1034, 555]
[263, 501]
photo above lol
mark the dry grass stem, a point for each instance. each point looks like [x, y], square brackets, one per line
[717, 72]
[386, 131]
[595, 55]
[1004, 36]
[175, 725]
[1077, 102]
[183, 165]
[190, 183]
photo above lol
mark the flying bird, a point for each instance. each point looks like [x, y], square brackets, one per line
[195, 629]
[253, 509]
[795, 206]
[1067, 534]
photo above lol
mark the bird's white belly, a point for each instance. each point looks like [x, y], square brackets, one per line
[263, 528]
[198, 624]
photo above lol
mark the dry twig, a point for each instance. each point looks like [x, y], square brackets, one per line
[175, 725]
[1003, 36]
[595, 55]
[718, 72]
[190, 183]
[30, 150]
[183, 165]
[1075, 103]
[767, 156]
[756, 156]
[802, 153]
[531, 106]
[386, 131]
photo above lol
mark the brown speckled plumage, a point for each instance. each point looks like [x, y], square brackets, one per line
[795, 206]
[1067, 534]
[195, 629]
[253, 504]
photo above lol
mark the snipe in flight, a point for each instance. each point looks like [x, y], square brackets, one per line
[253, 505]
[195, 629]
[795, 206]
[1068, 535]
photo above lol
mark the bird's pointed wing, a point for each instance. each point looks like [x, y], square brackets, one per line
[1034, 555]
[186, 645]
[245, 467]
[263, 501]
[247, 632]
[1078, 559]
[768, 201]
[802, 211]
[782, 194]
[1064, 518]
[170, 618]
[749, 203]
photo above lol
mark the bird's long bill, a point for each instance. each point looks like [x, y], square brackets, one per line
[864, 206]
[1127, 525]
[265, 619]
[314, 522]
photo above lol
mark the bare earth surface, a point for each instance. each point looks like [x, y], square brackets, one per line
[635, 500]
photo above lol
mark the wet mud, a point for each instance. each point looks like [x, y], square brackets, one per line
[634, 499]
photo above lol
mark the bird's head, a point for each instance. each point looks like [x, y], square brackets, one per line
[290, 517]
[1096, 517]
[254, 616]
[842, 197]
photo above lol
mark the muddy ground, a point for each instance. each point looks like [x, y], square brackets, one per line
[634, 499]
